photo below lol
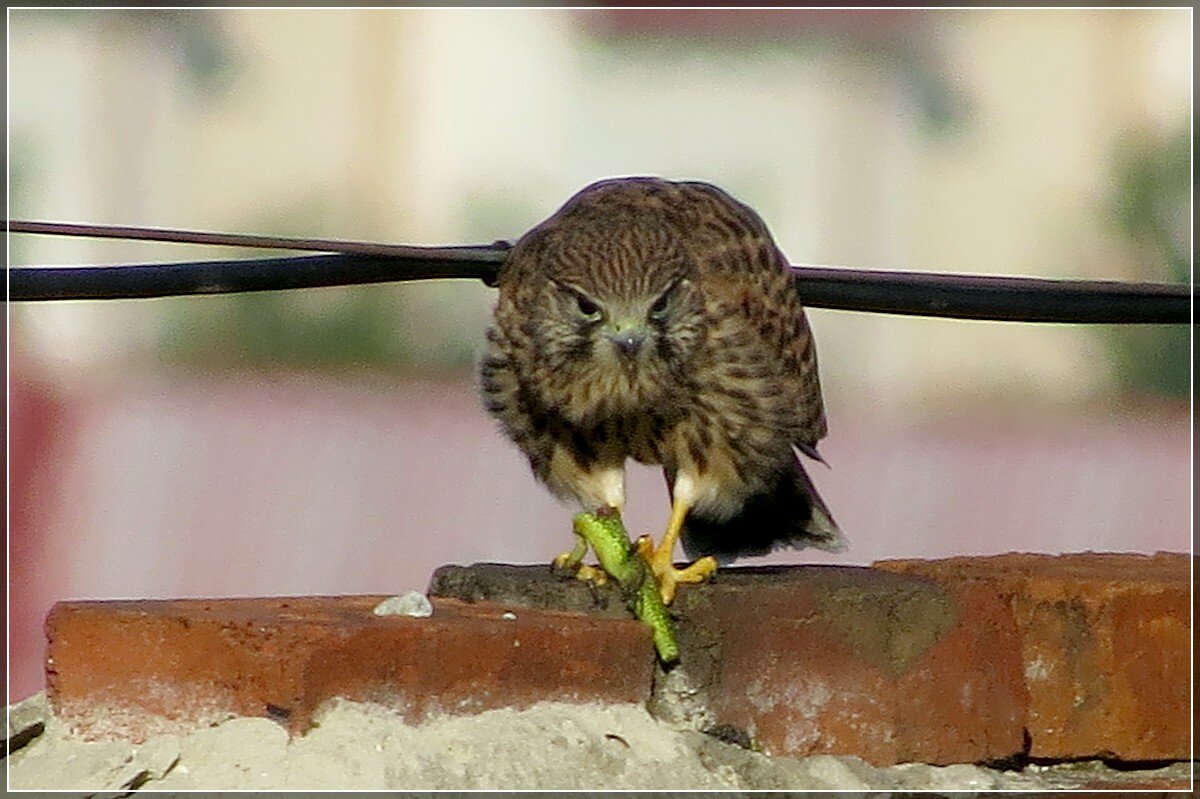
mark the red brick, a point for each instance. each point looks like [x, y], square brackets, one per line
[1105, 641]
[130, 669]
[932, 666]
[843, 660]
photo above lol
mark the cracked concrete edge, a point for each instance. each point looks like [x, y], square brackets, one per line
[551, 746]
[25, 714]
[679, 700]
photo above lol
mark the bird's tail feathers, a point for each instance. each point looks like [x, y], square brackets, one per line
[821, 531]
[791, 514]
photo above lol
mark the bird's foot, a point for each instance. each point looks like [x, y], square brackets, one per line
[668, 577]
[570, 561]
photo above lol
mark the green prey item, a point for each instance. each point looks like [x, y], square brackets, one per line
[617, 557]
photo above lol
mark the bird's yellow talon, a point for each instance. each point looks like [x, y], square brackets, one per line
[698, 571]
[572, 561]
[669, 577]
[660, 558]
[591, 574]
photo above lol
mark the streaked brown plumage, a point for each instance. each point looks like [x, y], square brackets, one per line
[656, 320]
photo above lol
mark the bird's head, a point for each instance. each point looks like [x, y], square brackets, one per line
[613, 315]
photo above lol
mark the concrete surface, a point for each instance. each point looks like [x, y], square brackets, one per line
[549, 746]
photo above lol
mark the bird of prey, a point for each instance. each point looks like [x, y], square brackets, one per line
[656, 320]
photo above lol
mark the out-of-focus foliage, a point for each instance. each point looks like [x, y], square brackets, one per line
[350, 327]
[1151, 207]
[363, 328]
[385, 327]
[911, 57]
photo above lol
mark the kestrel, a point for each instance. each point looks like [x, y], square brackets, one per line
[657, 321]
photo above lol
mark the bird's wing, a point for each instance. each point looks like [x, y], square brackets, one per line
[737, 256]
[811, 451]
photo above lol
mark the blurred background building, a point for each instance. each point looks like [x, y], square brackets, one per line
[329, 441]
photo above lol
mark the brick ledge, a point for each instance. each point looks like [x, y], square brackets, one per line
[962, 660]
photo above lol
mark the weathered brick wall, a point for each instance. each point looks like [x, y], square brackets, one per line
[963, 660]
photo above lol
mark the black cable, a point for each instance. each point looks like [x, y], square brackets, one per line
[995, 298]
[176, 236]
[227, 277]
[1012, 299]
[1017, 299]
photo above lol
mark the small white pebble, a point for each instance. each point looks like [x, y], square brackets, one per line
[414, 603]
[516, 643]
[509, 616]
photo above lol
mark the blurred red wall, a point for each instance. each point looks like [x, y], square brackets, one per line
[288, 484]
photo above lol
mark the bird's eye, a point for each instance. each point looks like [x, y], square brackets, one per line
[664, 301]
[586, 306]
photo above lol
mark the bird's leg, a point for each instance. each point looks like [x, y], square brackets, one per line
[573, 561]
[661, 558]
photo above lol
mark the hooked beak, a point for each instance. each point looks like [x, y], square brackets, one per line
[628, 341]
